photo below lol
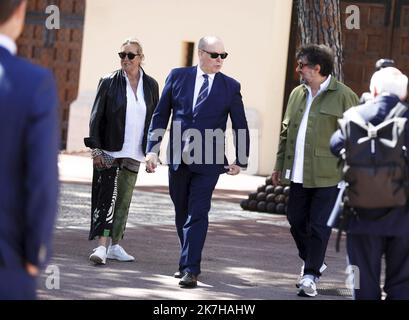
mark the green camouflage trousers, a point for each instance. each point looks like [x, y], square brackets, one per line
[126, 183]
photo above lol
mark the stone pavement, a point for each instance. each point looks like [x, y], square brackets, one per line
[247, 255]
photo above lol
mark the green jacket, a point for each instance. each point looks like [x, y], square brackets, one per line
[320, 166]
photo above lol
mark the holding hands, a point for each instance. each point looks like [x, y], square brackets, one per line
[151, 162]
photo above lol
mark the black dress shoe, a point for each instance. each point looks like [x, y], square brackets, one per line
[189, 280]
[179, 274]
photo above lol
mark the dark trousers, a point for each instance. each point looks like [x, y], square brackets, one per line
[308, 212]
[191, 194]
[365, 252]
[103, 199]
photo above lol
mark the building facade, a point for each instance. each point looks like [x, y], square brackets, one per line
[255, 36]
[260, 37]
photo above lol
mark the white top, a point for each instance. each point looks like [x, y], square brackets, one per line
[8, 43]
[298, 166]
[199, 81]
[134, 123]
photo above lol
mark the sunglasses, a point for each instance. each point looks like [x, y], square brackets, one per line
[302, 65]
[215, 55]
[130, 55]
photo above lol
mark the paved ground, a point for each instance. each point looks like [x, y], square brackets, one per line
[247, 255]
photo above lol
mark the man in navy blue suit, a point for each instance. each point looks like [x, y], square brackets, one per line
[28, 162]
[200, 99]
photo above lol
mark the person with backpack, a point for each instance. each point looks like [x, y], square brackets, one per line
[372, 140]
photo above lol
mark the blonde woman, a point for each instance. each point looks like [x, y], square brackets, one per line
[119, 122]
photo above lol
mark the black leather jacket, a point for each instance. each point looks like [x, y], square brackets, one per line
[107, 123]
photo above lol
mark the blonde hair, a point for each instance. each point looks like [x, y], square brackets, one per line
[135, 42]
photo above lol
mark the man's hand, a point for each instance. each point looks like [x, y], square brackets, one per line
[276, 177]
[32, 270]
[151, 162]
[99, 162]
[233, 169]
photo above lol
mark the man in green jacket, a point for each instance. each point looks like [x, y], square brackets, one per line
[304, 159]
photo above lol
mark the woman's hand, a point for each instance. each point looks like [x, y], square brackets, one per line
[99, 162]
[151, 162]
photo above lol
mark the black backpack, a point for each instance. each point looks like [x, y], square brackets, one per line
[374, 160]
[375, 166]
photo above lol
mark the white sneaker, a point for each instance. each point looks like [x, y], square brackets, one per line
[116, 252]
[99, 256]
[322, 269]
[308, 288]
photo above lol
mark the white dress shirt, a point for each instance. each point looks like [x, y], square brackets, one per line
[8, 43]
[199, 81]
[134, 122]
[298, 166]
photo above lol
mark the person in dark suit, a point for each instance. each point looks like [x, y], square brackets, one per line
[28, 162]
[200, 98]
[374, 233]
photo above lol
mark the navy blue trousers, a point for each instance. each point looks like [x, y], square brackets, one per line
[308, 212]
[191, 194]
[365, 252]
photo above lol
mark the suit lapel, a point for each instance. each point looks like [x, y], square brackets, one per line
[191, 79]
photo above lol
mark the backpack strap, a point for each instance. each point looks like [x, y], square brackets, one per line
[352, 114]
[397, 111]
[394, 116]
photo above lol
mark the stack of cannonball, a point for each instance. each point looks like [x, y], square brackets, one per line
[268, 198]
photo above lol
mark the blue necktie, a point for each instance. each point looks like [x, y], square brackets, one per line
[204, 91]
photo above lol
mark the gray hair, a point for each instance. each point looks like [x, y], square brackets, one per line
[389, 80]
[205, 41]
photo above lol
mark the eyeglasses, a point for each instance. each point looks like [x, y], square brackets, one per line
[130, 55]
[215, 55]
[302, 65]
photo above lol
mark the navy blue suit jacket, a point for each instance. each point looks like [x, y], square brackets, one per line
[177, 99]
[396, 223]
[29, 139]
